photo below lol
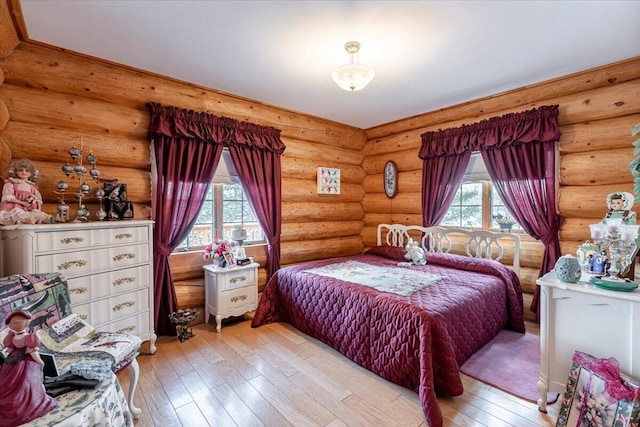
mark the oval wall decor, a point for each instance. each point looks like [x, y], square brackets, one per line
[390, 179]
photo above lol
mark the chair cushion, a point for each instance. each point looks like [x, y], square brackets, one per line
[72, 340]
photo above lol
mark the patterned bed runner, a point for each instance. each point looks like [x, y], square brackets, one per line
[399, 281]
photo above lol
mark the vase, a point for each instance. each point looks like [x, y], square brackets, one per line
[568, 269]
[220, 262]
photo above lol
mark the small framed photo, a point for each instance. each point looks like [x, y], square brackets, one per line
[230, 259]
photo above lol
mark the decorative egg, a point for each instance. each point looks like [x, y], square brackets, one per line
[99, 193]
[568, 269]
[67, 169]
[62, 186]
[91, 158]
[94, 172]
[79, 169]
[84, 188]
[101, 214]
[75, 153]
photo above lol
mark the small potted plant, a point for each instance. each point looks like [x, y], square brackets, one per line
[505, 222]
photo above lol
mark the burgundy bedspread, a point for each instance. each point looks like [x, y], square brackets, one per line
[416, 341]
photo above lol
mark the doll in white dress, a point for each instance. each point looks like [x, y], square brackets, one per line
[21, 201]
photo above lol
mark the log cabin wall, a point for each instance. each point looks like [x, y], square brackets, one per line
[598, 109]
[49, 95]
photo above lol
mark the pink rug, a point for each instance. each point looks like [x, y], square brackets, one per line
[510, 362]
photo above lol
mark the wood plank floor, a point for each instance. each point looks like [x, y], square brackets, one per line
[276, 376]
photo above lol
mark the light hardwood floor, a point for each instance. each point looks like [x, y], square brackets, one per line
[276, 376]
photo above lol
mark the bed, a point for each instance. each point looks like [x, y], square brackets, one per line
[417, 338]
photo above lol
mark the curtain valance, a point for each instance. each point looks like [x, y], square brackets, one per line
[180, 123]
[539, 124]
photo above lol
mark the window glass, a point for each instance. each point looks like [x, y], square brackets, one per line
[476, 203]
[225, 206]
[466, 209]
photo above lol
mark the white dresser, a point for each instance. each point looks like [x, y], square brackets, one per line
[108, 267]
[580, 316]
[230, 291]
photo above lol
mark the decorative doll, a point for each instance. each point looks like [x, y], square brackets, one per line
[22, 394]
[619, 204]
[21, 201]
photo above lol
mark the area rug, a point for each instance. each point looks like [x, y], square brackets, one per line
[510, 362]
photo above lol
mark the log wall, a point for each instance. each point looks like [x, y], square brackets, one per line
[598, 108]
[49, 95]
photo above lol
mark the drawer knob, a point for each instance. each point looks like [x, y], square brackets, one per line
[238, 279]
[124, 236]
[68, 240]
[122, 280]
[120, 257]
[80, 290]
[122, 305]
[69, 264]
[239, 298]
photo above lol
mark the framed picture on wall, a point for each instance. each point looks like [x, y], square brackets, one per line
[328, 180]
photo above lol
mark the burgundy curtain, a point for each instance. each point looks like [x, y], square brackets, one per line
[440, 178]
[187, 147]
[519, 152]
[259, 173]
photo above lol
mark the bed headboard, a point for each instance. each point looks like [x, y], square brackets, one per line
[476, 244]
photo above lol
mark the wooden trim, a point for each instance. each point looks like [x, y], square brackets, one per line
[15, 9]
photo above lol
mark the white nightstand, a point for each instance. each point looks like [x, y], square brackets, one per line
[229, 291]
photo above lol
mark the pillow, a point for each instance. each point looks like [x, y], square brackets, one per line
[395, 253]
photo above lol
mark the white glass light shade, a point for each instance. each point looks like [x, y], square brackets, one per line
[352, 76]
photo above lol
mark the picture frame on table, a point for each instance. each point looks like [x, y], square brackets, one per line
[230, 259]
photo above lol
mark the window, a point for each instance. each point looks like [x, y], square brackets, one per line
[476, 203]
[224, 207]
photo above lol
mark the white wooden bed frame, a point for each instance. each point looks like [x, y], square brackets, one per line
[476, 244]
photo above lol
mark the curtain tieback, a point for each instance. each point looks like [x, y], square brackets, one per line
[164, 249]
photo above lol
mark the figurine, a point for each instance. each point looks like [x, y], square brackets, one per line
[21, 201]
[619, 204]
[22, 394]
[415, 253]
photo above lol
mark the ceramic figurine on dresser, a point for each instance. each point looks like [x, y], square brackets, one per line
[21, 201]
[616, 234]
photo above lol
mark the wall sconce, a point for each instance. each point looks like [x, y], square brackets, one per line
[352, 76]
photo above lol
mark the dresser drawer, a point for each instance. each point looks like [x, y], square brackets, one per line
[137, 325]
[109, 309]
[73, 264]
[94, 286]
[71, 239]
[62, 240]
[237, 279]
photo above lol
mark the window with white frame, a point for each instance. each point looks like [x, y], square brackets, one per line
[225, 206]
[476, 204]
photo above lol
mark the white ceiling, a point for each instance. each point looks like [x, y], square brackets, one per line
[426, 54]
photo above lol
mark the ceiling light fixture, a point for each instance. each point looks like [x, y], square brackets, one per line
[353, 76]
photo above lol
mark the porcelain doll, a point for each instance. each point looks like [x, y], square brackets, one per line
[619, 204]
[22, 394]
[21, 201]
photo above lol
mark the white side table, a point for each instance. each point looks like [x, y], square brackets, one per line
[580, 316]
[229, 291]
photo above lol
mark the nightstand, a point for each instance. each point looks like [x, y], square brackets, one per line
[229, 291]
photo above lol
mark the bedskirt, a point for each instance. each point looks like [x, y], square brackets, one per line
[417, 341]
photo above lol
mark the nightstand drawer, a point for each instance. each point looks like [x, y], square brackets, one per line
[237, 279]
[235, 298]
